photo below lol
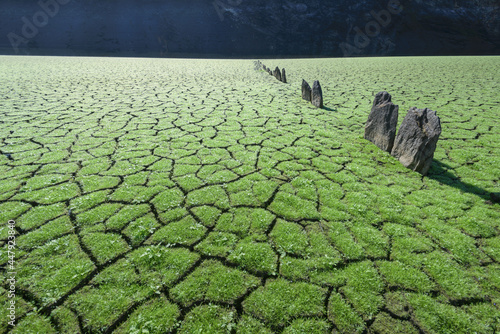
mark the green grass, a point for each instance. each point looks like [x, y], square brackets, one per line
[157, 196]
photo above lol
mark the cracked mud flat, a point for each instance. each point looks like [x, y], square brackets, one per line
[202, 195]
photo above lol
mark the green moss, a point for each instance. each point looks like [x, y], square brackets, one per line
[363, 289]
[207, 215]
[228, 173]
[217, 244]
[105, 246]
[486, 317]
[156, 316]
[126, 215]
[374, 242]
[241, 221]
[210, 319]
[384, 324]
[123, 168]
[250, 325]
[451, 277]
[461, 246]
[113, 291]
[292, 207]
[54, 269]
[98, 214]
[50, 195]
[211, 195]
[135, 194]
[343, 316]
[95, 166]
[39, 215]
[61, 168]
[399, 275]
[140, 229]
[161, 266]
[397, 303]
[289, 237]
[433, 316]
[185, 232]
[343, 240]
[34, 323]
[168, 199]
[280, 301]
[66, 320]
[263, 190]
[492, 248]
[173, 215]
[213, 282]
[255, 257]
[159, 179]
[88, 201]
[189, 182]
[95, 182]
[43, 181]
[408, 249]
[51, 230]
[473, 226]
[163, 165]
[307, 326]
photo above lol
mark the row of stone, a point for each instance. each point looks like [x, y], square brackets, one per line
[313, 95]
[416, 140]
[280, 75]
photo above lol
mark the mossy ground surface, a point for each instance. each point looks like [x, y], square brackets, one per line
[155, 195]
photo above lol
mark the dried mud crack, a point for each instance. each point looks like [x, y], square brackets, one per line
[182, 195]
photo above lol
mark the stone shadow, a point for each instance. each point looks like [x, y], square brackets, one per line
[328, 109]
[441, 172]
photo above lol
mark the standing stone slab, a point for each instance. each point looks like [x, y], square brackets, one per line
[416, 139]
[283, 76]
[317, 95]
[277, 73]
[306, 91]
[380, 128]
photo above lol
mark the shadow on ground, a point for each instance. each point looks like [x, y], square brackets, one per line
[441, 172]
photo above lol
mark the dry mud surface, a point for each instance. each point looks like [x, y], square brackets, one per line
[186, 196]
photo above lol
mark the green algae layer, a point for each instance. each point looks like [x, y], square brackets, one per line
[204, 196]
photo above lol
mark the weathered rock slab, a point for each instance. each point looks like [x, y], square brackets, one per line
[306, 91]
[380, 128]
[277, 73]
[317, 95]
[417, 138]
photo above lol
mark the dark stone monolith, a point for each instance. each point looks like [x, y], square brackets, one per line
[317, 95]
[380, 128]
[417, 138]
[277, 73]
[306, 91]
[283, 76]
